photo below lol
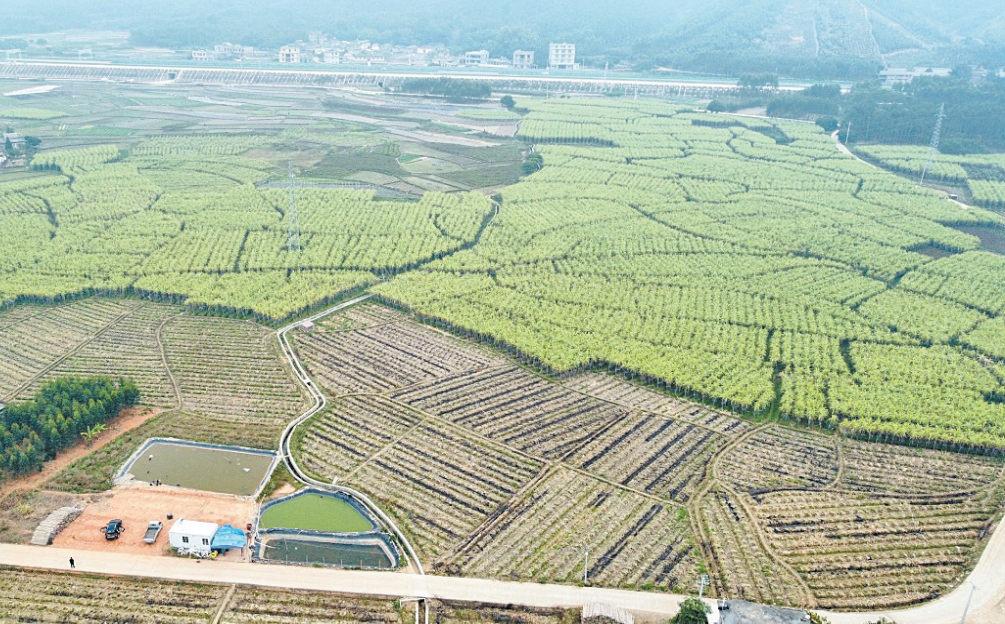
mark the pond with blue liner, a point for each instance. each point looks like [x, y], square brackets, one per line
[317, 527]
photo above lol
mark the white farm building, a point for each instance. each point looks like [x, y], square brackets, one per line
[192, 537]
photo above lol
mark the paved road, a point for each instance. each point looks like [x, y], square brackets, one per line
[341, 581]
[986, 605]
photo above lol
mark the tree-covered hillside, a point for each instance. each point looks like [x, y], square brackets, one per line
[843, 39]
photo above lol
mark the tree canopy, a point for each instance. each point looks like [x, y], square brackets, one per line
[692, 611]
[32, 432]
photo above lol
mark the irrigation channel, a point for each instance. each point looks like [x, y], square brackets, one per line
[319, 404]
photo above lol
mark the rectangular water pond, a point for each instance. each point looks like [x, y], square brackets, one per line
[223, 470]
[315, 512]
[292, 550]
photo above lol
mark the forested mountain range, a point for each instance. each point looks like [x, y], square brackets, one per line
[847, 39]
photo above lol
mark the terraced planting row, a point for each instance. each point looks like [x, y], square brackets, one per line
[29, 344]
[633, 540]
[781, 458]
[617, 389]
[445, 613]
[613, 440]
[129, 348]
[515, 407]
[740, 565]
[910, 472]
[258, 606]
[660, 456]
[361, 317]
[441, 483]
[860, 551]
[384, 357]
[230, 370]
[352, 431]
[44, 597]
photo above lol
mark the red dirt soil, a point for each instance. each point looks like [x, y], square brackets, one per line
[138, 504]
[128, 419]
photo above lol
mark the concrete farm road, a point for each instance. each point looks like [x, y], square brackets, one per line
[986, 604]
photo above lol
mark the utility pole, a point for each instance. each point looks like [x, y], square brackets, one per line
[847, 133]
[703, 582]
[966, 607]
[586, 564]
[933, 147]
[293, 215]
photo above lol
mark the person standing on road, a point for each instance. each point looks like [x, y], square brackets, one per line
[72, 565]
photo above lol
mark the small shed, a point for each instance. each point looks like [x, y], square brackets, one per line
[191, 536]
[228, 537]
[16, 140]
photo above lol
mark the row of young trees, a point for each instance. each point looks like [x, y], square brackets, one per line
[32, 432]
[450, 88]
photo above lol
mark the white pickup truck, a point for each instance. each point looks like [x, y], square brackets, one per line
[153, 530]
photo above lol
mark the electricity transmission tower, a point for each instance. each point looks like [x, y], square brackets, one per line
[933, 148]
[293, 215]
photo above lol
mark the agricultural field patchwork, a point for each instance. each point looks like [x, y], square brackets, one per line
[861, 551]
[164, 194]
[635, 541]
[982, 175]
[656, 486]
[386, 353]
[560, 367]
[129, 348]
[228, 372]
[744, 262]
[440, 482]
[231, 371]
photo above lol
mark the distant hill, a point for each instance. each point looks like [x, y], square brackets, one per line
[809, 38]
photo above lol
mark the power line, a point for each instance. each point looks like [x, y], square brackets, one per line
[293, 215]
[933, 147]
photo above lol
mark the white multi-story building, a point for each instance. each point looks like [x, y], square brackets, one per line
[289, 54]
[476, 57]
[562, 56]
[523, 59]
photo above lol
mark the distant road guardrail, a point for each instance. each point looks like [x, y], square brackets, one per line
[358, 77]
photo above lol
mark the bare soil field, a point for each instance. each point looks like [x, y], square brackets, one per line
[138, 505]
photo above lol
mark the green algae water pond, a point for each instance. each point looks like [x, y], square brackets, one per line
[315, 512]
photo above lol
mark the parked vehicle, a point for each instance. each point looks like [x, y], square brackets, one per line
[153, 530]
[113, 529]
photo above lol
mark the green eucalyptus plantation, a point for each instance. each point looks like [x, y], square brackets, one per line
[743, 261]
